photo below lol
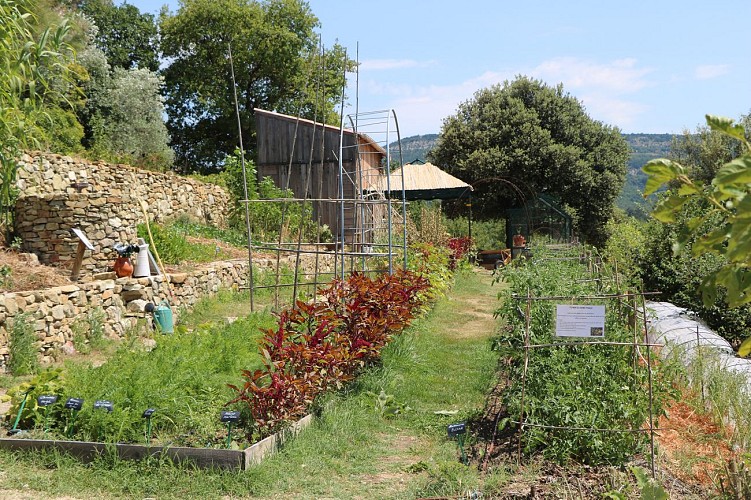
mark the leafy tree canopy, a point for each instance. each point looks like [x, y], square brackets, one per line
[705, 231]
[273, 43]
[126, 36]
[541, 140]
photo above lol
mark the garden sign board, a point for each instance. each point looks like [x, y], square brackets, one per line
[579, 321]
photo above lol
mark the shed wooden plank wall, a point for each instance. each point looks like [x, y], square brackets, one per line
[315, 166]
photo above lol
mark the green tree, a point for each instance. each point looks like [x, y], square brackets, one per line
[272, 43]
[705, 150]
[539, 139]
[127, 120]
[127, 37]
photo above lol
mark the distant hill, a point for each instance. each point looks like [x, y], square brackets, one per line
[644, 147]
[416, 147]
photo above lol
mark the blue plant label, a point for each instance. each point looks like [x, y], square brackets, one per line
[74, 403]
[148, 413]
[230, 416]
[456, 429]
[46, 400]
[104, 405]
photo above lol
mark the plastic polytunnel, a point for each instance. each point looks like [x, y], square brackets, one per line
[682, 334]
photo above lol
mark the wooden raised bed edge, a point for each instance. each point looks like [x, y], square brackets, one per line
[203, 458]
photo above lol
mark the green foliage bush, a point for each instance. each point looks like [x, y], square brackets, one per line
[265, 217]
[679, 276]
[487, 234]
[174, 248]
[184, 378]
[702, 245]
[584, 386]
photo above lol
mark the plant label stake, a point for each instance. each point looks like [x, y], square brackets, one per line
[74, 404]
[230, 417]
[457, 431]
[147, 415]
[13, 430]
[103, 405]
[45, 401]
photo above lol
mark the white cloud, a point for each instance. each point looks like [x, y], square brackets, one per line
[612, 110]
[619, 76]
[709, 71]
[387, 64]
[607, 90]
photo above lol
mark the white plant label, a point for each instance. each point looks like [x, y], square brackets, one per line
[579, 321]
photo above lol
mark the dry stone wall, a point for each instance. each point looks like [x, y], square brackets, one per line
[55, 313]
[59, 193]
[167, 195]
[44, 224]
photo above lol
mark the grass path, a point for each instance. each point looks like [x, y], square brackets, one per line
[442, 363]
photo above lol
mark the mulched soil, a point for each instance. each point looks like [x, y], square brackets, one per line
[27, 274]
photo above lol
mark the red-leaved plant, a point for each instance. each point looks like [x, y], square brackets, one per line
[459, 247]
[322, 345]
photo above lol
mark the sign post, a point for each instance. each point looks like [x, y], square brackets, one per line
[457, 431]
[83, 244]
[147, 415]
[230, 417]
[45, 401]
[75, 405]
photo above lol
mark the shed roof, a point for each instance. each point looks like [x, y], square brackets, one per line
[425, 181]
[364, 138]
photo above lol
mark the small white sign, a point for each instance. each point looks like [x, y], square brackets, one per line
[83, 238]
[580, 321]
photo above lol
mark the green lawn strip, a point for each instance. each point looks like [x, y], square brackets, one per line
[351, 451]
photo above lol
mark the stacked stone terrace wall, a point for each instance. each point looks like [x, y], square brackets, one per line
[55, 313]
[44, 225]
[167, 195]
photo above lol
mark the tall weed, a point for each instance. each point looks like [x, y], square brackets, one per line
[24, 355]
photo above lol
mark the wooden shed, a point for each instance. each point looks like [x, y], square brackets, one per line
[303, 155]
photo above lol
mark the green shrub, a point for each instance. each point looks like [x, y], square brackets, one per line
[184, 378]
[88, 331]
[173, 247]
[265, 217]
[679, 276]
[487, 234]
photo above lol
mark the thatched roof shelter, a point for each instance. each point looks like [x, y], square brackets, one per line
[425, 181]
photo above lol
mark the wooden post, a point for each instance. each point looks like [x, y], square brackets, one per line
[79, 260]
[83, 244]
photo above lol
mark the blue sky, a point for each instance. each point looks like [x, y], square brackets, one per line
[652, 67]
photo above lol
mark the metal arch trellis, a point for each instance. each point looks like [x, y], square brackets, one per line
[365, 196]
[636, 345]
[373, 190]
